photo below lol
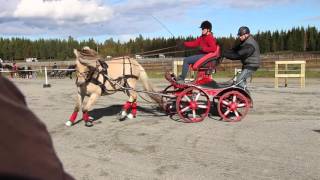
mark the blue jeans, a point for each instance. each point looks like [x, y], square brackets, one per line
[243, 76]
[187, 61]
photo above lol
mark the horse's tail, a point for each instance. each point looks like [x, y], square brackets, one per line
[148, 86]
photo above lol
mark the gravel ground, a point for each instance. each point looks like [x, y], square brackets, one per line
[278, 139]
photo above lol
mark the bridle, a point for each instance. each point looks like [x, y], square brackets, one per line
[87, 75]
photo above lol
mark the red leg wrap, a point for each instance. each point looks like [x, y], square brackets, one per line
[73, 116]
[134, 109]
[126, 106]
[85, 116]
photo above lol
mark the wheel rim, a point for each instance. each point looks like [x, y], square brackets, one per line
[193, 105]
[233, 106]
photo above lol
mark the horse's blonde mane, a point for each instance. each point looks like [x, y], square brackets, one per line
[88, 54]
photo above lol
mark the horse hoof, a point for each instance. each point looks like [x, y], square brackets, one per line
[131, 116]
[68, 123]
[89, 124]
[122, 116]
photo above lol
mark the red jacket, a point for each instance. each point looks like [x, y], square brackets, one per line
[206, 42]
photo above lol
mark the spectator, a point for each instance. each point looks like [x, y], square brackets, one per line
[13, 72]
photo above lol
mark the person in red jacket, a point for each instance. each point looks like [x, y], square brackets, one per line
[207, 44]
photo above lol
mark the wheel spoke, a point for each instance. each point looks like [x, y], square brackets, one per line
[197, 97]
[241, 105]
[202, 106]
[227, 112]
[225, 103]
[194, 113]
[236, 113]
[188, 99]
[234, 98]
[185, 109]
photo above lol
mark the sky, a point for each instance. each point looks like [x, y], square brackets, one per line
[125, 19]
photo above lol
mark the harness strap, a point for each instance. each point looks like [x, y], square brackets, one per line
[98, 83]
[112, 81]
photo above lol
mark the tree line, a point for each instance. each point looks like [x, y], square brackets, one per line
[298, 39]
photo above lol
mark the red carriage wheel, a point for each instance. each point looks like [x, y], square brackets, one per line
[233, 106]
[168, 104]
[193, 105]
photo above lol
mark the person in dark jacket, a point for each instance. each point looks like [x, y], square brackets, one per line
[248, 52]
[26, 149]
[206, 42]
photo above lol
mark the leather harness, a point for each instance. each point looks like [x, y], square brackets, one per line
[113, 82]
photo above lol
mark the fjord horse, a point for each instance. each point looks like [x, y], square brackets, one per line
[96, 77]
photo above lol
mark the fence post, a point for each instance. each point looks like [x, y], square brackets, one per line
[46, 85]
[276, 71]
[175, 67]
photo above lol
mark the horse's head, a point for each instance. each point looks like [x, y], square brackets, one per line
[83, 68]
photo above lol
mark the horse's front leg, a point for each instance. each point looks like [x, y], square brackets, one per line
[85, 109]
[74, 115]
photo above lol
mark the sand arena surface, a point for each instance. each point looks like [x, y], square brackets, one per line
[279, 138]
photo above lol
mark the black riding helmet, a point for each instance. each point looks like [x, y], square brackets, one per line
[206, 25]
[243, 30]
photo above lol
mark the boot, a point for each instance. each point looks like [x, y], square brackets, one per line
[180, 80]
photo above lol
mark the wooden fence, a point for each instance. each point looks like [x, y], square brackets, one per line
[166, 64]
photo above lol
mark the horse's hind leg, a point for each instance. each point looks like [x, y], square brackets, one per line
[133, 99]
[74, 115]
[129, 109]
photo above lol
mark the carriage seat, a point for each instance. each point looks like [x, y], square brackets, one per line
[208, 62]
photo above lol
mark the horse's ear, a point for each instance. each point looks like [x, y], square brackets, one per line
[75, 51]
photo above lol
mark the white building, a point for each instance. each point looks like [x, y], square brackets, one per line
[138, 56]
[31, 60]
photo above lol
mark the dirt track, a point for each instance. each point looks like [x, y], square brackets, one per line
[279, 138]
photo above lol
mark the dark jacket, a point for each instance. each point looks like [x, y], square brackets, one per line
[206, 42]
[248, 52]
[26, 149]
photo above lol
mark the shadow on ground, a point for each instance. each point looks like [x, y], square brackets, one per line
[318, 131]
[114, 110]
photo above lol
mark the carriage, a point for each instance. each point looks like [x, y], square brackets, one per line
[195, 100]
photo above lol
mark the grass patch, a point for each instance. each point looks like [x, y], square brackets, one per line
[219, 74]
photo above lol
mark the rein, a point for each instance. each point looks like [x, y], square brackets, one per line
[170, 52]
[87, 75]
